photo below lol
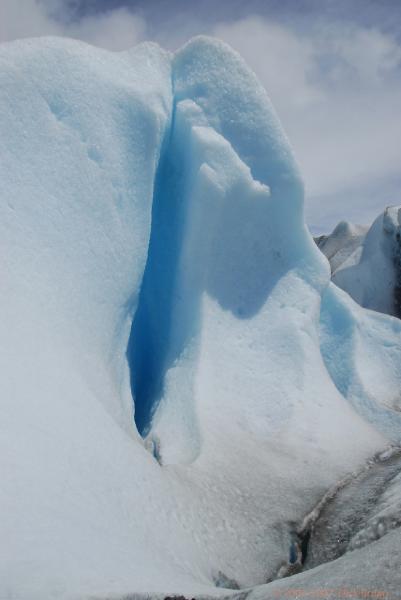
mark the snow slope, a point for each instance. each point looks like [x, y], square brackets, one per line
[154, 255]
[365, 262]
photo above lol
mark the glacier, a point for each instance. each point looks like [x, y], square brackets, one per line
[365, 261]
[180, 380]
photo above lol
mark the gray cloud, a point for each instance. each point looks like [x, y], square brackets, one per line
[115, 29]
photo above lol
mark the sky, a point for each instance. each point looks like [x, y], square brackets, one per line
[331, 68]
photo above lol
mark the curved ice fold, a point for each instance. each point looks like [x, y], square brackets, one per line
[156, 197]
[361, 351]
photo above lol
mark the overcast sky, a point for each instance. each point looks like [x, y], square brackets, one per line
[332, 69]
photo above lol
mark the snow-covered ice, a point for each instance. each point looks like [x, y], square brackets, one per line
[158, 279]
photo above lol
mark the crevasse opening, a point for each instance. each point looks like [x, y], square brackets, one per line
[156, 342]
[151, 326]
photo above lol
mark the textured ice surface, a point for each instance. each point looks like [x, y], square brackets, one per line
[354, 549]
[371, 572]
[153, 243]
[362, 509]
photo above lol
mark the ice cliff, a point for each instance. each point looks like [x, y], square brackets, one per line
[180, 381]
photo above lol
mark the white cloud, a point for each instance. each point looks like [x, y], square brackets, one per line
[116, 29]
[24, 18]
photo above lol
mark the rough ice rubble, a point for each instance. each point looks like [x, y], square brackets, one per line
[354, 550]
[119, 165]
[365, 262]
[371, 572]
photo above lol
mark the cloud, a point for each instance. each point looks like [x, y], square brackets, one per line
[24, 18]
[116, 29]
[369, 53]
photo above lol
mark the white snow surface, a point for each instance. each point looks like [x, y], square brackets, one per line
[365, 261]
[152, 220]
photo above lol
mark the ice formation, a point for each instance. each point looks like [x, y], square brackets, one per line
[180, 380]
[366, 262]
